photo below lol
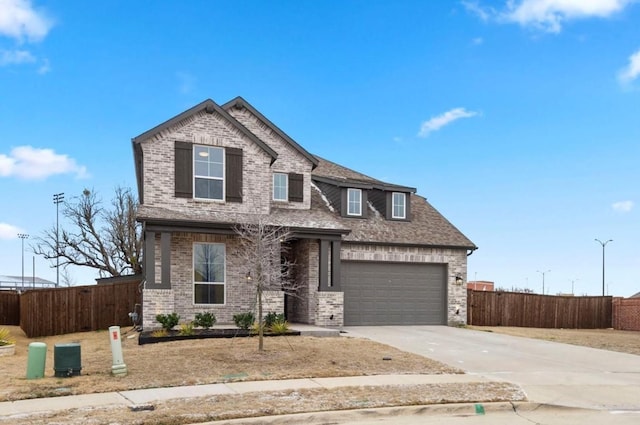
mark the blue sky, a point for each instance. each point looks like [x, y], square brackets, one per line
[517, 120]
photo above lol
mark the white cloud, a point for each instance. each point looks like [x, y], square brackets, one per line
[547, 15]
[484, 13]
[7, 231]
[15, 57]
[632, 70]
[30, 163]
[436, 123]
[622, 206]
[19, 20]
[45, 67]
[477, 41]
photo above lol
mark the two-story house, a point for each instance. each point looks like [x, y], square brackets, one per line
[366, 252]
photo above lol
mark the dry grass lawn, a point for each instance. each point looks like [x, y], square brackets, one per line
[605, 339]
[203, 361]
[223, 360]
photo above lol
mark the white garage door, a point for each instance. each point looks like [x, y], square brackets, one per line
[394, 293]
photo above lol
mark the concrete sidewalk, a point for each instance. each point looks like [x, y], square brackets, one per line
[138, 398]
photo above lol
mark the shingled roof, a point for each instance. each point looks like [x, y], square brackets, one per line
[427, 226]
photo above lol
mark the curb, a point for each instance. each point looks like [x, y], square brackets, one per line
[340, 416]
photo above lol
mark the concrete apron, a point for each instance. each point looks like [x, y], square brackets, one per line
[548, 372]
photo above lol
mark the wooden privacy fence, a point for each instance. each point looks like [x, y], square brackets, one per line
[46, 312]
[9, 308]
[487, 308]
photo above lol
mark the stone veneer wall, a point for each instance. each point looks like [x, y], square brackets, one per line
[455, 259]
[330, 309]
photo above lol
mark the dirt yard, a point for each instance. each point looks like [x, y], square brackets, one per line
[605, 339]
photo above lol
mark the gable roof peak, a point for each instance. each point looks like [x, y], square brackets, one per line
[240, 103]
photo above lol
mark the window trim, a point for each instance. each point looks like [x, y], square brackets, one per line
[359, 192]
[286, 187]
[221, 179]
[393, 205]
[193, 281]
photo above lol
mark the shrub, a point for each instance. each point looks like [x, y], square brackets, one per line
[204, 320]
[159, 333]
[279, 328]
[186, 329]
[5, 337]
[244, 320]
[168, 321]
[272, 318]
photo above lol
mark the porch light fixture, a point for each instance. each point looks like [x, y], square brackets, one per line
[248, 276]
[458, 280]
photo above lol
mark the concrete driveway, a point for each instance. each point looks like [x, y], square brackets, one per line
[549, 372]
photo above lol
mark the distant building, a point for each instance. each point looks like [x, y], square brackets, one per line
[30, 282]
[480, 285]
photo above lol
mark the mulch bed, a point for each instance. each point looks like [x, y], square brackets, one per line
[147, 337]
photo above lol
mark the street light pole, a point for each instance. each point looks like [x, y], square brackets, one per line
[603, 245]
[23, 236]
[57, 199]
[543, 273]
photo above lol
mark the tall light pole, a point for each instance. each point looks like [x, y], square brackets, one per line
[603, 245]
[23, 236]
[543, 273]
[57, 199]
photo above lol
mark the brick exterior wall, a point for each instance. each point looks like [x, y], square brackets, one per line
[240, 295]
[156, 301]
[214, 130]
[455, 259]
[302, 307]
[272, 302]
[289, 160]
[626, 314]
[330, 309]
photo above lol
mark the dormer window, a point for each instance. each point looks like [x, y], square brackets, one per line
[354, 202]
[399, 207]
[280, 187]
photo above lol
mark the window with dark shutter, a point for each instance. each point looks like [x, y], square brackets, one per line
[233, 174]
[183, 170]
[296, 187]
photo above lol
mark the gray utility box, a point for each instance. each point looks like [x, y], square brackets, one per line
[67, 360]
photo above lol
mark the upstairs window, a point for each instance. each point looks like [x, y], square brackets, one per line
[399, 207]
[208, 172]
[280, 187]
[208, 273]
[354, 202]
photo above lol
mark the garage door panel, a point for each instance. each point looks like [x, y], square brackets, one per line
[394, 293]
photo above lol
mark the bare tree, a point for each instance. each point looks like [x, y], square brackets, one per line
[67, 279]
[264, 251]
[106, 239]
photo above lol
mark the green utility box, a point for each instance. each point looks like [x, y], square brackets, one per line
[67, 360]
[36, 359]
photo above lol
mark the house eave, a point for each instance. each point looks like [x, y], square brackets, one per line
[225, 228]
[412, 245]
[358, 184]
